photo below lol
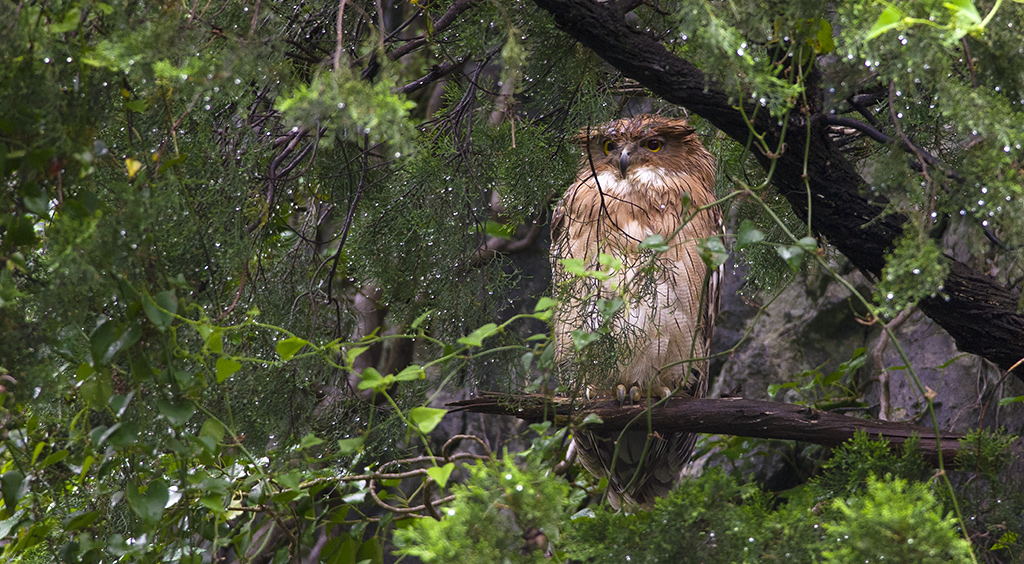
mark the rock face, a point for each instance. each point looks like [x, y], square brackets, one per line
[816, 322]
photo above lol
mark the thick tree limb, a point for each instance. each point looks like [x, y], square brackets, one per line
[979, 313]
[729, 416]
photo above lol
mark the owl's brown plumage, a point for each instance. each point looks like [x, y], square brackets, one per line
[639, 177]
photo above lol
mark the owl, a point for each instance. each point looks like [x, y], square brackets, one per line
[636, 302]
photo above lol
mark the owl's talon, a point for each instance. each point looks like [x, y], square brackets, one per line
[665, 392]
[620, 394]
[634, 394]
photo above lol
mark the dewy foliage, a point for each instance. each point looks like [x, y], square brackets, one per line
[240, 242]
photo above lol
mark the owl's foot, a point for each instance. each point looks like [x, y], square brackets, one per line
[620, 394]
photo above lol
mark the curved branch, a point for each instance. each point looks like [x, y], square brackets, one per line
[727, 416]
[979, 313]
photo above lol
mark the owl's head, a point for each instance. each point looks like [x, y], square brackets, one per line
[645, 141]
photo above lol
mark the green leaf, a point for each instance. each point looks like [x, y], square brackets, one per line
[410, 373]
[712, 252]
[776, 388]
[212, 429]
[54, 458]
[825, 42]
[420, 320]
[574, 266]
[748, 234]
[476, 338]
[654, 243]
[440, 474]
[545, 303]
[610, 262]
[214, 340]
[309, 440]
[426, 418]
[370, 378]
[69, 23]
[540, 428]
[350, 446]
[809, 244]
[177, 413]
[352, 354]
[161, 309]
[13, 487]
[371, 552]
[592, 419]
[889, 19]
[97, 389]
[1008, 539]
[226, 367]
[608, 308]
[964, 12]
[287, 348]
[149, 502]
[80, 520]
[1008, 401]
[792, 255]
[581, 339]
[36, 199]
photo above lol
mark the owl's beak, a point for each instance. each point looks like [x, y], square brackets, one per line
[623, 161]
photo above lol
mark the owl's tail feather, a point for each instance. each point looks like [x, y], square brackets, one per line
[635, 478]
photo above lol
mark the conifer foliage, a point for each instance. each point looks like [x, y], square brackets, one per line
[246, 247]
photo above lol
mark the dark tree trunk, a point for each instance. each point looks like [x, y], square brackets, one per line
[979, 313]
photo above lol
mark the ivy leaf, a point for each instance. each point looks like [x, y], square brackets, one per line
[655, 243]
[226, 367]
[1008, 401]
[149, 502]
[607, 308]
[176, 413]
[964, 12]
[581, 338]
[426, 418]
[371, 379]
[544, 304]
[889, 19]
[161, 309]
[476, 338]
[792, 255]
[411, 372]
[574, 266]
[310, 440]
[420, 320]
[809, 244]
[748, 234]
[440, 474]
[350, 446]
[712, 252]
[287, 348]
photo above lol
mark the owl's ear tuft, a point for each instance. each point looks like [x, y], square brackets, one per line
[676, 128]
[586, 136]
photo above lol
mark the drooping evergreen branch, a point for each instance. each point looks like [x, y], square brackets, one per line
[728, 416]
[979, 313]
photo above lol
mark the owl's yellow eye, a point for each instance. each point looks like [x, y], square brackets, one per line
[608, 146]
[654, 145]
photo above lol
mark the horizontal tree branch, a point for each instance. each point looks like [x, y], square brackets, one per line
[979, 313]
[728, 416]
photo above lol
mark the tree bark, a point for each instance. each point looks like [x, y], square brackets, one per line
[728, 416]
[978, 312]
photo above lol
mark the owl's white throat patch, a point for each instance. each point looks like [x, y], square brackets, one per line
[643, 178]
